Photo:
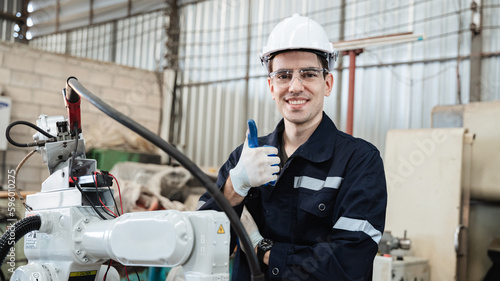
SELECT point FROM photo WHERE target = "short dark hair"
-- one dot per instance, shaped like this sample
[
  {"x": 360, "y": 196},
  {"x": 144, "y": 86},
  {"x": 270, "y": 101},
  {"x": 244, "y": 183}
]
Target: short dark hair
[{"x": 322, "y": 61}]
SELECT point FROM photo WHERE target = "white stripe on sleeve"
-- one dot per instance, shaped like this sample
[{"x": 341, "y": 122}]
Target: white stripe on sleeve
[{"x": 358, "y": 225}]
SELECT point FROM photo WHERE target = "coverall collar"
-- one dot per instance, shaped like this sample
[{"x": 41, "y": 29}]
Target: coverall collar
[{"x": 318, "y": 148}]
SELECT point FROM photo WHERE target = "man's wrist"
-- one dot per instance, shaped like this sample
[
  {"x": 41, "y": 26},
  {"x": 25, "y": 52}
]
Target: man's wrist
[
  {"x": 230, "y": 194},
  {"x": 266, "y": 257},
  {"x": 238, "y": 178},
  {"x": 255, "y": 238}
]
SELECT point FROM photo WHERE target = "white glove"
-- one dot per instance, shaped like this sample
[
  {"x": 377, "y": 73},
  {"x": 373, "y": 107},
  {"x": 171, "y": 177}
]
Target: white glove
[
  {"x": 257, "y": 166},
  {"x": 251, "y": 228}
]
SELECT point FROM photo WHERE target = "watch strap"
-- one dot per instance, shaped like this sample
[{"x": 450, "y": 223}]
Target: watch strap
[{"x": 263, "y": 246}]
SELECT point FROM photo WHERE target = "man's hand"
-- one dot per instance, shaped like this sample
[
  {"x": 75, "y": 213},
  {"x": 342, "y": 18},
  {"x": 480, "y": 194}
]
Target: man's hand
[{"x": 257, "y": 165}]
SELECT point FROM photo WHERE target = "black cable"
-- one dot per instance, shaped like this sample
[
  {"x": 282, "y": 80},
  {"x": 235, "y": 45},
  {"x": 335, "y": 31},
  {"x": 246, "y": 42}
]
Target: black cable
[
  {"x": 106, "y": 274},
  {"x": 137, "y": 274},
  {"x": 13, "y": 142},
  {"x": 103, "y": 208},
  {"x": 104, "y": 176},
  {"x": 114, "y": 201},
  {"x": 112, "y": 194},
  {"x": 100, "y": 199},
  {"x": 256, "y": 273},
  {"x": 77, "y": 185},
  {"x": 16, "y": 232}
]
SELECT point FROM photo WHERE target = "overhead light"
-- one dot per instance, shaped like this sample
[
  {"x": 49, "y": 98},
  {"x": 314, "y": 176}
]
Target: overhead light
[
  {"x": 29, "y": 22},
  {"x": 16, "y": 27},
  {"x": 15, "y": 34},
  {"x": 378, "y": 41},
  {"x": 28, "y": 35},
  {"x": 30, "y": 8}
]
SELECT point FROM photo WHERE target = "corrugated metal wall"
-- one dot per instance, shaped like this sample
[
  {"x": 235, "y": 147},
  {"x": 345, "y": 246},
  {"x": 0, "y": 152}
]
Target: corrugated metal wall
[
  {"x": 490, "y": 80},
  {"x": 52, "y": 16},
  {"x": 124, "y": 32},
  {"x": 136, "y": 41},
  {"x": 222, "y": 83}
]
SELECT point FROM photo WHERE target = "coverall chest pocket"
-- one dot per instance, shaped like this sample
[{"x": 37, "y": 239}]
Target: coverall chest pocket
[
  {"x": 314, "y": 215},
  {"x": 317, "y": 203}
]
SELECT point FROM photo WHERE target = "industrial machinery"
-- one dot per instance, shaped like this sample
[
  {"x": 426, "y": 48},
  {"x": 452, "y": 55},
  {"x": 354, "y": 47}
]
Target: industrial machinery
[
  {"x": 394, "y": 263},
  {"x": 388, "y": 243},
  {"x": 443, "y": 184},
  {"x": 407, "y": 268},
  {"x": 74, "y": 224}
]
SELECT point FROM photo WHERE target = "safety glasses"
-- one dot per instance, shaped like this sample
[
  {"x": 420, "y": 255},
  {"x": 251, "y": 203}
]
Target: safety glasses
[{"x": 309, "y": 75}]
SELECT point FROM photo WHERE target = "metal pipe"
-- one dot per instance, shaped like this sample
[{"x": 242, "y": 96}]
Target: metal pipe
[
  {"x": 12, "y": 17},
  {"x": 350, "y": 99},
  {"x": 247, "y": 68},
  {"x": 340, "y": 64}
]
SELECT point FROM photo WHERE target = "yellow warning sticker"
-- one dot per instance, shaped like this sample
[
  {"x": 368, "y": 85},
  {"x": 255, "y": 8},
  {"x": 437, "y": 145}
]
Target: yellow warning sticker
[
  {"x": 221, "y": 230},
  {"x": 82, "y": 273}
]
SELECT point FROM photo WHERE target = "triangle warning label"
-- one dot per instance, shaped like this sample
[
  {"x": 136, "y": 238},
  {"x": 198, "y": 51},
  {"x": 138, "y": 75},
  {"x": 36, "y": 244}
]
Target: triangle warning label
[{"x": 221, "y": 230}]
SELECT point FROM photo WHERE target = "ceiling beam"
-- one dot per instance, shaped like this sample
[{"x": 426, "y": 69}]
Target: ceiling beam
[{"x": 12, "y": 17}]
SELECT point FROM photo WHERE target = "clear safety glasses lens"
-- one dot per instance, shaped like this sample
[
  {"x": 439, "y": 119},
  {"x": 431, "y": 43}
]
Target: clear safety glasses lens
[{"x": 306, "y": 75}]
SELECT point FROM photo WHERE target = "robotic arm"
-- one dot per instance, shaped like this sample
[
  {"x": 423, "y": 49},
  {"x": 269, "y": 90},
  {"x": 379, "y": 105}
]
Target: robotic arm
[
  {"x": 72, "y": 242},
  {"x": 75, "y": 237}
]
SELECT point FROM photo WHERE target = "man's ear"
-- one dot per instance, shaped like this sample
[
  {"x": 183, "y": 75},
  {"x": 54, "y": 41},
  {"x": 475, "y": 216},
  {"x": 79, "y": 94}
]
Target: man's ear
[
  {"x": 271, "y": 86},
  {"x": 329, "y": 84}
]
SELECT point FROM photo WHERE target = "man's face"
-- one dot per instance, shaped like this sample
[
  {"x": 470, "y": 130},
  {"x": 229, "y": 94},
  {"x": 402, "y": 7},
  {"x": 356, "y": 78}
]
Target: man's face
[{"x": 300, "y": 102}]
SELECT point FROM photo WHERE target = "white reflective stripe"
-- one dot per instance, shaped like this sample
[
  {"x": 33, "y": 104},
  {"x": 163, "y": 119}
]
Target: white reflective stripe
[
  {"x": 315, "y": 184},
  {"x": 358, "y": 225}
]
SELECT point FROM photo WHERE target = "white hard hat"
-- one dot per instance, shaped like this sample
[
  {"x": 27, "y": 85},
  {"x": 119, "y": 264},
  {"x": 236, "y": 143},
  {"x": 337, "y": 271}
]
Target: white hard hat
[{"x": 299, "y": 33}]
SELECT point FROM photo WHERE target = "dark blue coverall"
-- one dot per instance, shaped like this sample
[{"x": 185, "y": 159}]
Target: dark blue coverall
[{"x": 326, "y": 213}]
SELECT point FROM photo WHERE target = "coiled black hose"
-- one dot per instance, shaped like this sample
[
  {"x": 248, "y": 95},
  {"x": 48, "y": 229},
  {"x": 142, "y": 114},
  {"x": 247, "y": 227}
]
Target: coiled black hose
[{"x": 16, "y": 232}]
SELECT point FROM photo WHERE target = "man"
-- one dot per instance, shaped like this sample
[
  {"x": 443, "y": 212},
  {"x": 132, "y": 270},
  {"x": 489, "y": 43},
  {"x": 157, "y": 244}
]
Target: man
[{"x": 320, "y": 214}]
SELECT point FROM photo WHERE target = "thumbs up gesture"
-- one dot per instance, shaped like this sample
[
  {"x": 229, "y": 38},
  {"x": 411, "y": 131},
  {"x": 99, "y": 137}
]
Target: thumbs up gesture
[{"x": 257, "y": 165}]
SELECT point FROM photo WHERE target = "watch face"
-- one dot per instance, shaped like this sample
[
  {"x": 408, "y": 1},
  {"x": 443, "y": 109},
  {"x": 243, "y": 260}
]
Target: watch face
[{"x": 266, "y": 244}]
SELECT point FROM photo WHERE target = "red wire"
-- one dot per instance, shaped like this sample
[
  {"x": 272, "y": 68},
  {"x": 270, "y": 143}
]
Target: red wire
[
  {"x": 119, "y": 192},
  {"x": 95, "y": 181},
  {"x": 126, "y": 273}
]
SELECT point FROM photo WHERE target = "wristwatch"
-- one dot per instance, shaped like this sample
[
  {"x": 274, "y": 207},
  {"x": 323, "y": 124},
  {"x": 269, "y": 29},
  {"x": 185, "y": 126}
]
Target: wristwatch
[{"x": 264, "y": 246}]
